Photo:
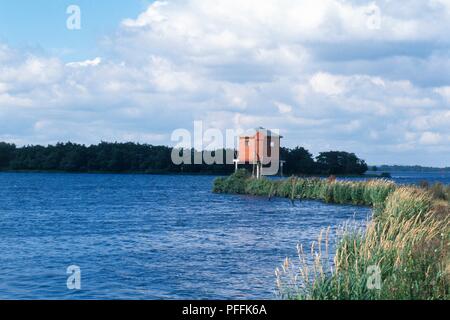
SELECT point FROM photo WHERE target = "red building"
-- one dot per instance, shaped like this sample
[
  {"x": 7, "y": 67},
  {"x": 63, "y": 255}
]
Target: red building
[{"x": 260, "y": 149}]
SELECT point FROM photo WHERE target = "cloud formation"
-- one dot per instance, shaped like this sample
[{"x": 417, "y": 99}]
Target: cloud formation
[{"x": 368, "y": 77}]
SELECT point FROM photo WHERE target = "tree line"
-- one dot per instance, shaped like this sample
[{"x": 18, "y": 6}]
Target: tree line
[
  {"x": 144, "y": 158},
  {"x": 397, "y": 168}
]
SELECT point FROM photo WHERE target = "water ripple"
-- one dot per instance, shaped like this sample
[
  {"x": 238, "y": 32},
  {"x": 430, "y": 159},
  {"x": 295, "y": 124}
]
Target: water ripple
[{"x": 147, "y": 237}]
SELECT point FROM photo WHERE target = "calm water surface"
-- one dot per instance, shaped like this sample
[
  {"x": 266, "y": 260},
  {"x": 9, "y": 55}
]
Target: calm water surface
[{"x": 148, "y": 237}]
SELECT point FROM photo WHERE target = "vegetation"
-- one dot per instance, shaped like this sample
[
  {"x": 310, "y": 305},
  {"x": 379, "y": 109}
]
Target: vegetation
[
  {"x": 300, "y": 161},
  {"x": 406, "y": 244},
  {"x": 142, "y": 158},
  {"x": 438, "y": 190},
  {"x": 335, "y": 162},
  {"x": 368, "y": 193}
]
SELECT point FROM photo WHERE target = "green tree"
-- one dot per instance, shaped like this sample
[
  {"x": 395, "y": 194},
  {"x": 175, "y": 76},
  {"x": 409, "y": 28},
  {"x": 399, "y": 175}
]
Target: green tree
[
  {"x": 298, "y": 161},
  {"x": 339, "y": 162},
  {"x": 7, "y": 151}
]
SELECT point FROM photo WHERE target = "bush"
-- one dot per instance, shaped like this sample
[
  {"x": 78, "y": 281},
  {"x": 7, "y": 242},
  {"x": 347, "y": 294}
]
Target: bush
[
  {"x": 235, "y": 183},
  {"x": 220, "y": 185}
]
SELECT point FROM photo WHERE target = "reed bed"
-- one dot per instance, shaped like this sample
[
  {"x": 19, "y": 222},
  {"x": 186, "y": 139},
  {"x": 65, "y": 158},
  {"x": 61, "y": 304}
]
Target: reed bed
[
  {"x": 367, "y": 193},
  {"x": 438, "y": 190},
  {"x": 402, "y": 253}
]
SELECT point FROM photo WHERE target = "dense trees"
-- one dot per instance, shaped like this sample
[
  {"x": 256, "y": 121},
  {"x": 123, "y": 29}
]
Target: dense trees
[
  {"x": 6, "y": 154},
  {"x": 298, "y": 161},
  {"x": 143, "y": 158},
  {"x": 335, "y": 162}
]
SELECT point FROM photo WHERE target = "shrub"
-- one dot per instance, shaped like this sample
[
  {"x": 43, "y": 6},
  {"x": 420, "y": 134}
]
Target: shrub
[
  {"x": 233, "y": 184},
  {"x": 219, "y": 185}
]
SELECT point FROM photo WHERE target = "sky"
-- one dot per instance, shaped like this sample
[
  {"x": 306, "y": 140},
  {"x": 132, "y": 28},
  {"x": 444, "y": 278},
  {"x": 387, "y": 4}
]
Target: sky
[{"x": 370, "y": 77}]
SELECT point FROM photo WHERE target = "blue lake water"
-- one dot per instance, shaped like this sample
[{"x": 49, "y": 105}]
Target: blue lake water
[
  {"x": 416, "y": 177},
  {"x": 148, "y": 237}
]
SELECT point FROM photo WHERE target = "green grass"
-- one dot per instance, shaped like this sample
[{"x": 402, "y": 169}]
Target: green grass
[
  {"x": 407, "y": 241},
  {"x": 368, "y": 193}
]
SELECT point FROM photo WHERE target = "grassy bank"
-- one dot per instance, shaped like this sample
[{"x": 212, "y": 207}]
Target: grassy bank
[
  {"x": 402, "y": 254},
  {"x": 367, "y": 193}
]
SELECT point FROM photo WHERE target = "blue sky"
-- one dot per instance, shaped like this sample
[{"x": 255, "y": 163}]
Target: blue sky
[
  {"x": 371, "y": 77},
  {"x": 41, "y": 24}
]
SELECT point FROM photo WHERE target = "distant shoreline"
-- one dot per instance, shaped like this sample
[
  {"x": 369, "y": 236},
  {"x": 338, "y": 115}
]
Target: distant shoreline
[
  {"x": 165, "y": 173},
  {"x": 400, "y": 168},
  {"x": 370, "y": 174},
  {"x": 133, "y": 157}
]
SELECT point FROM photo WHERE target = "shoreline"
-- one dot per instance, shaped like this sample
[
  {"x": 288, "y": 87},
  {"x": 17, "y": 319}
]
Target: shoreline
[
  {"x": 407, "y": 234},
  {"x": 165, "y": 173}
]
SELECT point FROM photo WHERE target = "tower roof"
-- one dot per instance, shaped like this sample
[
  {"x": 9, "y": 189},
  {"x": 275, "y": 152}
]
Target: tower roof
[{"x": 262, "y": 130}]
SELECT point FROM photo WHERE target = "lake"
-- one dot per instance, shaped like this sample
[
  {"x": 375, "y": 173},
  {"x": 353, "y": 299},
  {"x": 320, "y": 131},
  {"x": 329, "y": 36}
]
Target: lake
[
  {"x": 150, "y": 237},
  {"x": 405, "y": 177}
]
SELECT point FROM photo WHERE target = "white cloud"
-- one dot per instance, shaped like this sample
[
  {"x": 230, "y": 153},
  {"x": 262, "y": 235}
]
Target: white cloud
[
  {"x": 327, "y": 84},
  {"x": 150, "y": 16},
  {"x": 85, "y": 63},
  {"x": 7, "y": 100},
  {"x": 444, "y": 92},
  {"x": 165, "y": 76},
  {"x": 30, "y": 72},
  {"x": 311, "y": 68},
  {"x": 283, "y": 108},
  {"x": 430, "y": 138}
]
